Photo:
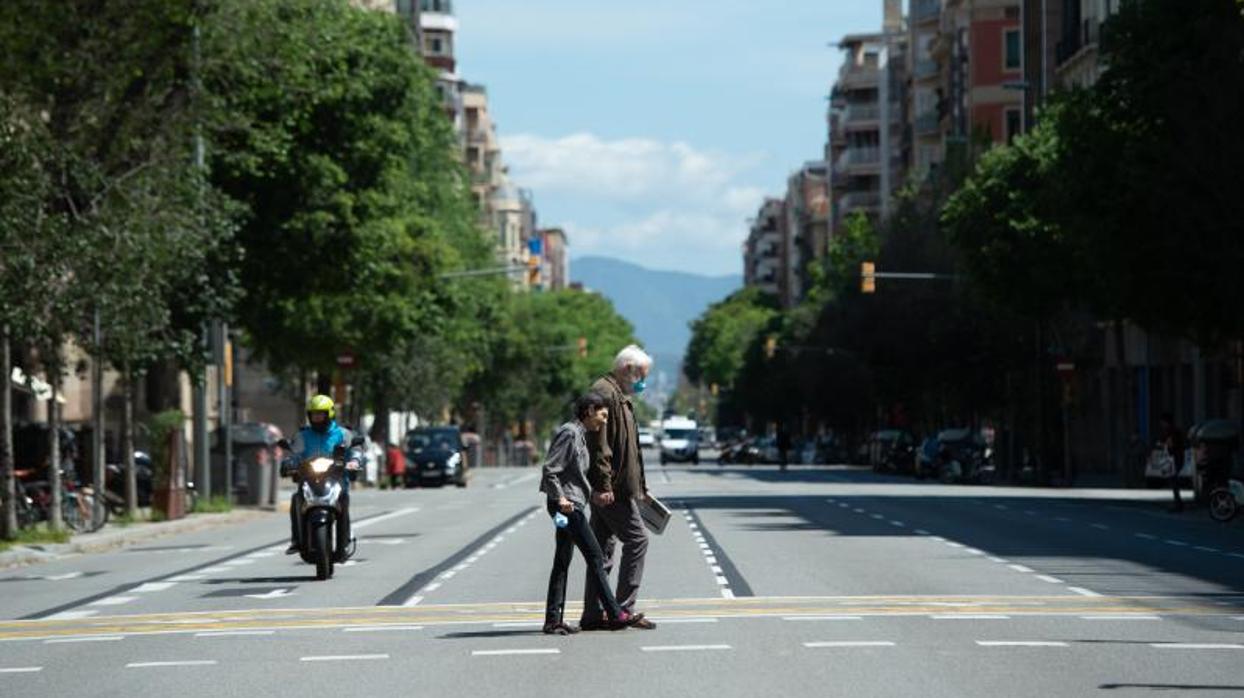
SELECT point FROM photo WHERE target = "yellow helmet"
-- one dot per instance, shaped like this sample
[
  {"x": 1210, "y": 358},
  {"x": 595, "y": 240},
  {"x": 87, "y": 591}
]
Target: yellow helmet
[{"x": 322, "y": 403}]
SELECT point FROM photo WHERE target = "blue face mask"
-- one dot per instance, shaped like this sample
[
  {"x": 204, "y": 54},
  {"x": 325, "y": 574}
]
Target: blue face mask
[{"x": 639, "y": 386}]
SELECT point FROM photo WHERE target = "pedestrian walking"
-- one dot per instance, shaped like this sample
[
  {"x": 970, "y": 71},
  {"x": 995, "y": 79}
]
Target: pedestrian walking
[
  {"x": 618, "y": 484},
  {"x": 564, "y": 483},
  {"x": 783, "y": 446},
  {"x": 395, "y": 463},
  {"x": 1176, "y": 444}
]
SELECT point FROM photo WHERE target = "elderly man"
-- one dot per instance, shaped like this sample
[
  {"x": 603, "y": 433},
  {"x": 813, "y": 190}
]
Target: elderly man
[{"x": 617, "y": 478}]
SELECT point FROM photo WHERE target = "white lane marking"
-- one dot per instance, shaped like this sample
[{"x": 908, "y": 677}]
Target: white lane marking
[
  {"x": 1120, "y": 617},
  {"x": 1020, "y": 568},
  {"x": 412, "y": 601},
  {"x": 215, "y": 569},
  {"x": 688, "y": 620},
  {"x": 1239, "y": 555},
  {"x": 84, "y": 638},
  {"x": 342, "y": 657},
  {"x": 858, "y": 510},
  {"x": 149, "y": 587},
  {"x": 1020, "y": 643},
  {"x": 973, "y": 551},
  {"x": 1001, "y": 507},
  {"x": 1083, "y": 592},
  {"x": 1101, "y": 527},
  {"x": 722, "y": 581},
  {"x": 233, "y": 633},
  {"x": 1063, "y": 519},
  {"x": 1174, "y": 542},
  {"x": 274, "y": 594},
  {"x": 448, "y": 574},
  {"x": 113, "y": 601},
  {"x": 461, "y": 566},
  {"x": 186, "y": 662},
  {"x": 1196, "y": 646},
  {"x": 716, "y": 569},
  {"x": 877, "y": 516},
  {"x": 508, "y": 653},
  {"x": 239, "y": 563},
  {"x": 710, "y": 559},
  {"x": 20, "y": 669},
  {"x": 921, "y": 532},
  {"x": 844, "y": 505},
  {"x": 432, "y": 587},
  {"x": 1030, "y": 512},
  {"x": 187, "y": 578},
  {"x": 72, "y": 615},
  {"x": 385, "y": 517},
  {"x": 62, "y": 577},
  {"x": 809, "y": 619},
  {"x": 1048, "y": 578},
  {"x": 998, "y": 560},
  {"x": 848, "y": 643},
  {"x": 684, "y": 648},
  {"x": 1146, "y": 536},
  {"x": 953, "y": 544},
  {"x": 262, "y": 554},
  {"x": 382, "y": 628},
  {"x": 970, "y": 616},
  {"x": 898, "y": 524},
  {"x": 726, "y": 593},
  {"x": 1206, "y": 549}
]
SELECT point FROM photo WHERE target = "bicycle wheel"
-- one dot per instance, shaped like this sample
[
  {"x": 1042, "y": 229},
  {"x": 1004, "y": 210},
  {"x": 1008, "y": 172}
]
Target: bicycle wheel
[{"x": 94, "y": 512}]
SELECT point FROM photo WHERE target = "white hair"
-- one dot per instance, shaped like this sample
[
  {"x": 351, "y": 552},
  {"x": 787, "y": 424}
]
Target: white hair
[{"x": 631, "y": 356}]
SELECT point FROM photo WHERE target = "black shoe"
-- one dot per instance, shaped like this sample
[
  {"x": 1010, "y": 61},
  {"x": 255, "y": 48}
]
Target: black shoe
[
  {"x": 293, "y": 548},
  {"x": 637, "y": 620},
  {"x": 559, "y": 629},
  {"x": 597, "y": 624}
]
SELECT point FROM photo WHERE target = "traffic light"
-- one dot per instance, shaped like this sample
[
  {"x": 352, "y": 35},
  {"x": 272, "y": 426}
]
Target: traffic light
[
  {"x": 770, "y": 347},
  {"x": 583, "y": 347},
  {"x": 868, "y": 277}
]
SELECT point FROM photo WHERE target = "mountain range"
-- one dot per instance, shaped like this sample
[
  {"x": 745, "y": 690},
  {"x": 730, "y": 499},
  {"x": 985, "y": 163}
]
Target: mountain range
[{"x": 660, "y": 304}]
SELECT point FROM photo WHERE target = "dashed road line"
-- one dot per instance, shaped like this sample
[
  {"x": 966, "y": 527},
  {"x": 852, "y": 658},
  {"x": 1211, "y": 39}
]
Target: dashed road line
[
  {"x": 519, "y": 653},
  {"x": 113, "y": 601},
  {"x": 1021, "y": 568},
  {"x": 832, "y": 644},
  {"x": 233, "y": 633},
  {"x": 730, "y": 583},
  {"x": 1048, "y": 578},
  {"x": 343, "y": 658},
  {"x": 20, "y": 669},
  {"x": 685, "y": 648},
  {"x": 811, "y": 619},
  {"x": 1083, "y": 592},
  {"x": 83, "y": 638},
  {"x": 157, "y": 665},
  {"x": 382, "y": 628},
  {"x": 1020, "y": 643},
  {"x": 1120, "y": 617},
  {"x": 970, "y": 616},
  {"x": 1196, "y": 646}
]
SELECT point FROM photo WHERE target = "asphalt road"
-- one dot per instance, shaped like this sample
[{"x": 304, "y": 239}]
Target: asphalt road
[{"x": 810, "y": 582}]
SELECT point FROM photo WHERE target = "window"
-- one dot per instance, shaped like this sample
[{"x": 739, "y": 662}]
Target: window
[
  {"x": 1014, "y": 124},
  {"x": 1012, "y": 49}
]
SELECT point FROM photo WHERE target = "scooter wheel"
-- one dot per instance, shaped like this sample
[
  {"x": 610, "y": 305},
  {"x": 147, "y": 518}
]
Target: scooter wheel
[
  {"x": 322, "y": 552},
  {"x": 1222, "y": 505}
]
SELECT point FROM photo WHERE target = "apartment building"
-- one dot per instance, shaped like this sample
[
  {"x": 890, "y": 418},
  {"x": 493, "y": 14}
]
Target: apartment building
[
  {"x": 926, "y": 93},
  {"x": 1076, "y": 58},
  {"x": 555, "y": 268},
  {"x": 764, "y": 251},
  {"x": 482, "y": 149},
  {"x": 867, "y": 122},
  {"x": 806, "y": 208}
]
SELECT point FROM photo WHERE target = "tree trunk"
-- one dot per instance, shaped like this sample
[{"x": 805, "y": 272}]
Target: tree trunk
[
  {"x": 56, "y": 518},
  {"x": 99, "y": 469},
  {"x": 8, "y": 488},
  {"x": 127, "y": 442},
  {"x": 1125, "y": 412}
]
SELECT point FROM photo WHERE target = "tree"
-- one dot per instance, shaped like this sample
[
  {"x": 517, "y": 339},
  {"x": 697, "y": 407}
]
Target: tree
[{"x": 721, "y": 336}]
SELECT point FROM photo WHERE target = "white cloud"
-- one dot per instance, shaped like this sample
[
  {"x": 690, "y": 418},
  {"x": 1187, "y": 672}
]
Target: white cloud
[{"x": 661, "y": 204}]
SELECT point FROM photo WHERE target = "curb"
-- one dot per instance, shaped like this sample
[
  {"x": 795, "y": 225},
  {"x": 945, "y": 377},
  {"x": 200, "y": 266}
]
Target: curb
[{"x": 104, "y": 540}]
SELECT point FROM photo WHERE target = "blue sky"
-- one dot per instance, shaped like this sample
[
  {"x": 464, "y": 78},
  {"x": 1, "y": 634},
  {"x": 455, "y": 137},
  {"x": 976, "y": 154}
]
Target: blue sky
[{"x": 652, "y": 131}]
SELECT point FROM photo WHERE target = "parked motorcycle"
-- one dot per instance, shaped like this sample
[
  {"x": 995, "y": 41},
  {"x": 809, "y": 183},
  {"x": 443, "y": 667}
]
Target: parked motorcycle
[
  {"x": 144, "y": 476},
  {"x": 77, "y": 502},
  {"x": 321, "y": 480}
]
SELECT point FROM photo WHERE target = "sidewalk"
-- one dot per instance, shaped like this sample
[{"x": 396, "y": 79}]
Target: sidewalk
[{"x": 114, "y": 536}]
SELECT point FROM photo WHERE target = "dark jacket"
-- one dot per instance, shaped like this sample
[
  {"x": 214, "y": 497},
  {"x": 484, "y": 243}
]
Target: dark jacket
[{"x": 617, "y": 464}]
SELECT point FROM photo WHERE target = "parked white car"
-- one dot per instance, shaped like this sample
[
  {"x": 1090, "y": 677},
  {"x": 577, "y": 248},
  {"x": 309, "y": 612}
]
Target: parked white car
[{"x": 647, "y": 439}]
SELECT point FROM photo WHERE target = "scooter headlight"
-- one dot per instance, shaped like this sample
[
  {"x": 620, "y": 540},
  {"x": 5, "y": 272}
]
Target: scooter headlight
[
  {"x": 454, "y": 460},
  {"x": 319, "y": 466}
]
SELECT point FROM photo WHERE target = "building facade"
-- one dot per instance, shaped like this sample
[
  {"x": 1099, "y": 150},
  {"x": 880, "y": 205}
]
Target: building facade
[
  {"x": 764, "y": 250},
  {"x": 806, "y": 208},
  {"x": 555, "y": 272}
]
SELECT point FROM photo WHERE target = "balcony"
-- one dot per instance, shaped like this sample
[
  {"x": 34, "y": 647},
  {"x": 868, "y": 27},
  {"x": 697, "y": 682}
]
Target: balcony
[
  {"x": 925, "y": 69},
  {"x": 858, "y": 157},
  {"x": 855, "y": 77},
  {"x": 925, "y": 10},
  {"x": 860, "y": 200},
  {"x": 859, "y": 113},
  {"x": 927, "y": 124},
  {"x": 1087, "y": 35}
]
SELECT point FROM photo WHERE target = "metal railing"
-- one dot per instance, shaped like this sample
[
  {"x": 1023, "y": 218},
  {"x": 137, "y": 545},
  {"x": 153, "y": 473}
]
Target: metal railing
[
  {"x": 863, "y": 112},
  {"x": 860, "y": 199}
]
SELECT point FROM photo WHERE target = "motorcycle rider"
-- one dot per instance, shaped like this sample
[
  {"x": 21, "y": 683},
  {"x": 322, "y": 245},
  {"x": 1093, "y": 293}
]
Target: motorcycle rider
[{"x": 320, "y": 438}]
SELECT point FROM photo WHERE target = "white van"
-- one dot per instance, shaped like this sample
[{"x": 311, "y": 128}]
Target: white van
[{"x": 680, "y": 441}]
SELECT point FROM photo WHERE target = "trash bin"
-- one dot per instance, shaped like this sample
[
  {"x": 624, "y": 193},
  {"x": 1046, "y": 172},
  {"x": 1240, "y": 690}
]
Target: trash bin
[{"x": 254, "y": 463}]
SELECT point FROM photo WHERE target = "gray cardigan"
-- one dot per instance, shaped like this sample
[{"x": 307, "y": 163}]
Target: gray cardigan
[{"x": 565, "y": 469}]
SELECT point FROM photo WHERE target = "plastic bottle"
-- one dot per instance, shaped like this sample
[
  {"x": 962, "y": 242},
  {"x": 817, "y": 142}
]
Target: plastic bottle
[{"x": 560, "y": 520}]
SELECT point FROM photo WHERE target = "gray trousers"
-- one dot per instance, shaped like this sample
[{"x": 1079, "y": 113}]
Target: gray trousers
[{"x": 619, "y": 521}]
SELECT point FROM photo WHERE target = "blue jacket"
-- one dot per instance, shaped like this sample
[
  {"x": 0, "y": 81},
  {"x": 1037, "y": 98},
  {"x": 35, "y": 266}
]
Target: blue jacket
[{"x": 310, "y": 443}]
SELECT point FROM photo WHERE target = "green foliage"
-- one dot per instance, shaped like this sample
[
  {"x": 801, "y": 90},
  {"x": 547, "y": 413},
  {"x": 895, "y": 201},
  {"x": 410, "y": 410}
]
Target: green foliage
[
  {"x": 38, "y": 534},
  {"x": 331, "y": 133},
  {"x": 160, "y": 427},
  {"x": 855, "y": 243},
  {"x": 722, "y": 335},
  {"x": 534, "y": 369},
  {"x": 217, "y": 504}
]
